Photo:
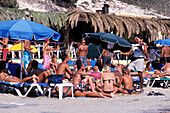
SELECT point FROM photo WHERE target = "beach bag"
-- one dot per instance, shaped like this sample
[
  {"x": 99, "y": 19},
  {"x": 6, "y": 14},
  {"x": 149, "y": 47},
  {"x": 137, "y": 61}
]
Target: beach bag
[{"x": 55, "y": 78}]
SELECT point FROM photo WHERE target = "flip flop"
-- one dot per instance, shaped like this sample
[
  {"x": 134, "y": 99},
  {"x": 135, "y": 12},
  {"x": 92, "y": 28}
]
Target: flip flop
[{"x": 150, "y": 93}]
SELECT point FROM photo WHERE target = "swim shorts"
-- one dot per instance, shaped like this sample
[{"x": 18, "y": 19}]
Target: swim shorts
[{"x": 83, "y": 60}]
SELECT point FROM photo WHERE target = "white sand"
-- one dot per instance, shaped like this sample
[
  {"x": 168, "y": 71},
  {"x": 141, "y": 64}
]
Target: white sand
[{"x": 140, "y": 103}]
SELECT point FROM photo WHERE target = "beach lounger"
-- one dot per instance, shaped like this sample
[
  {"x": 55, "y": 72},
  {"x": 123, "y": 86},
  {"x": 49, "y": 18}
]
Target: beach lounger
[
  {"x": 20, "y": 87},
  {"x": 145, "y": 80},
  {"x": 162, "y": 80}
]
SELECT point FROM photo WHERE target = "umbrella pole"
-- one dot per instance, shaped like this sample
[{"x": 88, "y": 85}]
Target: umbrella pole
[
  {"x": 98, "y": 50},
  {"x": 21, "y": 59}
]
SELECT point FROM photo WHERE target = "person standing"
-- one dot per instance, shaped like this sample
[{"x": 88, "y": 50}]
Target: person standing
[
  {"x": 82, "y": 52},
  {"x": 46, "y": 57},
  {"x": 106, "y": 57},
  {"x": 27, "y": 54},
  {"x": 5, "y": 48},
  {"x": 165, "y": 55},
  {"x": 137, "y": 62}
]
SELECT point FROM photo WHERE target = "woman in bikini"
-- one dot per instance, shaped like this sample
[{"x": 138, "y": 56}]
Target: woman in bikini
[
  {"x": 46, "y": 51},
  {"x": 6, "y": 78},
  {"x": 108, "y": 81}
]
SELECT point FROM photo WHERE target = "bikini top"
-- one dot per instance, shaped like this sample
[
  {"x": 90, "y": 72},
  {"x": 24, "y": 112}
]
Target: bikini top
[{"x": 109, "y": 80}]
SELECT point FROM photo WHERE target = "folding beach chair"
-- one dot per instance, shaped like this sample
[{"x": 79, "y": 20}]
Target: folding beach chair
[
  {"x": 161, "y": 80},
  {"x": 20, "y": 87}
]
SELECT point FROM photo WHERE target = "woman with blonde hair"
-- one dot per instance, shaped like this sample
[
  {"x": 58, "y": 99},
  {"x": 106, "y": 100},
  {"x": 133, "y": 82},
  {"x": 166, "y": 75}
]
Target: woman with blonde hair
[{"x": 108, "y": 80}]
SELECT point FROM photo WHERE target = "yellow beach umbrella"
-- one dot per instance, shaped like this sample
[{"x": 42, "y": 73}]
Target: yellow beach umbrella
[{"x": 17, "y": 47}]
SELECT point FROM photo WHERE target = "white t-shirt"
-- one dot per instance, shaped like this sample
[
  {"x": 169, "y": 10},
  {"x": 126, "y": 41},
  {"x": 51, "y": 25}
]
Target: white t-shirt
[{"x": 137, "y": 51}]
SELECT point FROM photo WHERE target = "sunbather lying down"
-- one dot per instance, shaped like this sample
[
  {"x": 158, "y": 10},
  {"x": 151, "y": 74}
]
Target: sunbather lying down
[
  {"x": 157, "y": 74},
  {"x": 6, "y": 78}
]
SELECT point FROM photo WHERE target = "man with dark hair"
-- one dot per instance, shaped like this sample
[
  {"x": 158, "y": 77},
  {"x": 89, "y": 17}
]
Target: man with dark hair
[
  {"x": 128, "y": 82},
  {"x": 137, "y": 63},
  {"x": 82, "y": 52},
  {"x": 34, "y": 64},
  {"x": 63, "y": 68},
  {"x": 33, "y": 69}
]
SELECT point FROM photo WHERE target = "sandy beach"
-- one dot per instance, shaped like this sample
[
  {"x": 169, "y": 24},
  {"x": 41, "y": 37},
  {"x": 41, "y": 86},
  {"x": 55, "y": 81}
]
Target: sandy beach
[{"x": 140, "y": 103}]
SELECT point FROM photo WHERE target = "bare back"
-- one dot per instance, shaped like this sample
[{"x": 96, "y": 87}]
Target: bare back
[
  {"x": 128, "y": 82},
  {"x": 165, "y": 51},
  {"x": 63, "y": 69},
  {"x": 83, "y": 50},
  {"x": 106, "y": 53},
  {"x": 107, "y": 81}
]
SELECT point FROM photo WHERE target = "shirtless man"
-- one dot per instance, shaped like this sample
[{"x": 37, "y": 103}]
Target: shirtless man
[
  {"x": 6, "y": 78},
  {"x": 82, "y": 52},
  {"x": 63, "y": 68},
  {"x": 128, "y": 82},
  {"x": 33, "y": 69},
  {"x": 80, "y": 84},
  {"x": 5, "y": 47},
  {"x": 107, "y": 57},
  {"x": 27, "y": 54},
  {"x": 46, "y": 57},
  {"x": 165, "y": 52}
]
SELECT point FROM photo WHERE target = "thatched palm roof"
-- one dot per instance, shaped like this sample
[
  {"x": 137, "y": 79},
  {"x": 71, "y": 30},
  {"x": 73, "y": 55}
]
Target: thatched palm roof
[{"x": 122, "y": 25}]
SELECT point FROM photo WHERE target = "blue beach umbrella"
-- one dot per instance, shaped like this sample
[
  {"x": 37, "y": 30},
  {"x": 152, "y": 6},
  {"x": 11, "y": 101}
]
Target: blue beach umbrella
[
  {"x": 163, "y": 42},
  {"x": 25, "y": 30},
  {"x": 94, "y": 51},
  {"x": 108, "y": 41}
]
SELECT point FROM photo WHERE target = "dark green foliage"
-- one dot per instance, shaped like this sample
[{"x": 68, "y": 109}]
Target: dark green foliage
[
  {"x": 160, "y": 6},
  {"x": 53, "y": 20},
  {"x": 9, "y": 3}
]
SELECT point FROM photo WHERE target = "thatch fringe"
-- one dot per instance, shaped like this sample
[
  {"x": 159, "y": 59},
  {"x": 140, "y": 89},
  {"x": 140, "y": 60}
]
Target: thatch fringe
[{"x": 123, "y": 24}]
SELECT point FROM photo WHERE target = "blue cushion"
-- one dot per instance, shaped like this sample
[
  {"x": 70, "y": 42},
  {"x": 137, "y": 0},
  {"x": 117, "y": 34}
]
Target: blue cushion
[
  {"x": 13, "y": 67},
  {"x": 41, "y": 66}
]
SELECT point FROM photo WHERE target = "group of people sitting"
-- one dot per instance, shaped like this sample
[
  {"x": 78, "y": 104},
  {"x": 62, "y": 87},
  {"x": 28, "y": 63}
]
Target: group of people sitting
[
  {"x": 83, "y": 83},
  {"x": 108, "y": 84}
]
